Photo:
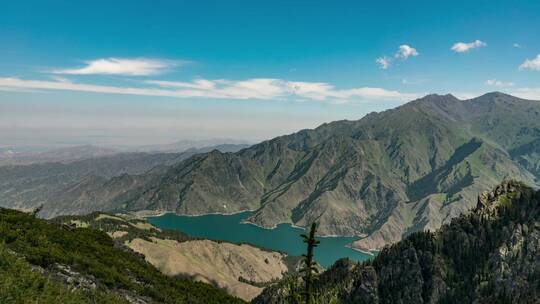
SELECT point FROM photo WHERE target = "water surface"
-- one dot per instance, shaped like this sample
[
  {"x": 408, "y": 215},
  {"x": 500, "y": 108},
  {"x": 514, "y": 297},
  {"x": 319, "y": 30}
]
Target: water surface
[{"x": 284, "y": 237}]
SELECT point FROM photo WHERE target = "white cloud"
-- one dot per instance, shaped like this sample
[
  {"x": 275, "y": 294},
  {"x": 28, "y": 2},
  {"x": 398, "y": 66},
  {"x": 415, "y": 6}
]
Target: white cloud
[
  {"x": 527, "y": 93},
  {"x": 384, "y": 62},
  {"x": 498, "y": 83},
  {"x": 196, "y": 84},
  {"x": 60, "y": 79},
  {"x": 531, "y": 64},
  {"x": 123, "y": 66},
  {"x": 324, "y": 91},
  {"x": 406, "y": 51},
  {"x": 517, "y": 45},
  {"x": 256, "y": 88},
  {"x": 462, "y": 47}
]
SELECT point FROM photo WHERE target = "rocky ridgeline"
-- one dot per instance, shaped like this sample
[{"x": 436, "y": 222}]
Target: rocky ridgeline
[{"x": 488, "y": 199}]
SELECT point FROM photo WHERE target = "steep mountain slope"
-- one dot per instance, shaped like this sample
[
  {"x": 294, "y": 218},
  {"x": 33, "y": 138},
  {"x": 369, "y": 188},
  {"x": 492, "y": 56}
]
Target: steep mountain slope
[
  {"x": 20, "y": 283},
  {"x": 381, "y": 177},
  {"x": 59, "y": 258},
  {"x": 491, "y": 255},
  {"x": 240, "y": 269}
]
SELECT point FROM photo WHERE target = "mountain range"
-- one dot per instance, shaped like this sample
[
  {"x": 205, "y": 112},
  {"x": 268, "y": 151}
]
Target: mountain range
[
  {"x": 60, "y": 184},
  {"x": 381, "y": 177}
]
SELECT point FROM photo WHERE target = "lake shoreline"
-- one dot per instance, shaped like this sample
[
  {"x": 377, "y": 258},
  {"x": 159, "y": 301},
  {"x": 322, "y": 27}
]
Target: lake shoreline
[
  {"x": 155, "y": 213},
  {"x": 284, "y": 237}
]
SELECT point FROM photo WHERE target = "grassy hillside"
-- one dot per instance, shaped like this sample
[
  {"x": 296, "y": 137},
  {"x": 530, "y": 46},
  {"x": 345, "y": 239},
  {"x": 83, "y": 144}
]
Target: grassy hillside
[
  {"x": 21, "y": 283},
  {"x": 88, "y": 261},
  {"x": 240, "y": 269}
]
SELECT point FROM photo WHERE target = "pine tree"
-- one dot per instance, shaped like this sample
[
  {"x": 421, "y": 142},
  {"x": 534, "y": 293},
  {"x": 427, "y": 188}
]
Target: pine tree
[{"x": 310, "y": 266}]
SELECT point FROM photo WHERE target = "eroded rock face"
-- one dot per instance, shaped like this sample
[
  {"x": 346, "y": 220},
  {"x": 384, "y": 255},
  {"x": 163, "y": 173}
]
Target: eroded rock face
[{"x": 487, "y": 199}]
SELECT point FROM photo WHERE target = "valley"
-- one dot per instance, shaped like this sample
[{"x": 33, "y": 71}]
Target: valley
[
  {"x": 269, "y": 152},
  {"x": 378, "y": 178},
  {"x": 232, "y": 219}
]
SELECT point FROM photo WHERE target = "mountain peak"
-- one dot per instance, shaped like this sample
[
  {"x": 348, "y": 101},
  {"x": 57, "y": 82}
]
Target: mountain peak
[
  {"x": 434, "y": 96},
  {"x": 488, "y": 200},
  {"x": 435, "y": 99},
  {"x": 495, "y": 94},
  {"x": 494, "y": 97}
]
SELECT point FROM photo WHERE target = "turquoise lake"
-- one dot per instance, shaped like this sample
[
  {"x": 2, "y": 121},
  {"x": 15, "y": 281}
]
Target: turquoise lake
[{"x": 283, "y": 238}]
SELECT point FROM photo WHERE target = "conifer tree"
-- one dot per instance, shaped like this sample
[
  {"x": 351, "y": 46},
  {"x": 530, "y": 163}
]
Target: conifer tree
[{"x": 310, "y": 266}]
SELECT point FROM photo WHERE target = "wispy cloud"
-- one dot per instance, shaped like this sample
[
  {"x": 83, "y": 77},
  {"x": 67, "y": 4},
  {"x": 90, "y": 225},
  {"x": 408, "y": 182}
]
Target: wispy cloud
[
  {"x": 195, "y": 84},
  {"x": 531, "y": 64},
  {"x": 384, "y": 62},
  {"x": 498, "y": 83},
  {"x": 324, "y": 91},
  {"x": 527, "y": 93},
  {"x": 270, "y": 88},
  {"x": 123, "y": 66},
  {"x": 517, "y": 45},
  {"x": 463, "y": 47},
  {"x": 255, "y": 88},
  {"x": 406, "y": 51}
]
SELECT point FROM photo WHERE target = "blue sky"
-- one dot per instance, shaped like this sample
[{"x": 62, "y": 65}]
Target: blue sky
[{"x": 140, "y": 72}]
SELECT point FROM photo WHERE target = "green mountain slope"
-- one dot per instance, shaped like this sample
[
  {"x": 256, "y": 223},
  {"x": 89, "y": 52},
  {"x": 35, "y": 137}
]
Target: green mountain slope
[
  {"x": 381, "y": 177},
  {"x": 54, "y": 258},
  {"x": 491, "y": 255},
  {"x": 20, "y": 283}
]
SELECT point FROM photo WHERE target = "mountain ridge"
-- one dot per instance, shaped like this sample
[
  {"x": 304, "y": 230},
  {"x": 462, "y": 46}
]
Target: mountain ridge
[{"x": 360, "y": 177}]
